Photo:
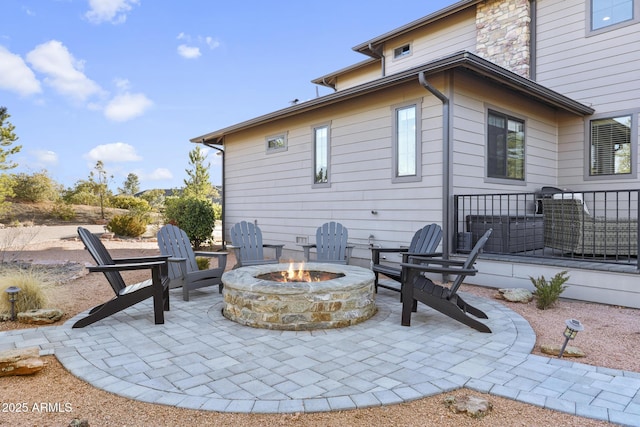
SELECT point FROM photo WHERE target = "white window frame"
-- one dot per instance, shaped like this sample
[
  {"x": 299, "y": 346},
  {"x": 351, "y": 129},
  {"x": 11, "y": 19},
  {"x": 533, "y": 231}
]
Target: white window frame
[
  {"x": 417, "y": 175},
  {"x": 635, "y": 18},
  {"x": 314, "y": 134},
  {"x": 633, "y": 140},
  {"x": 275, "y": 149}
]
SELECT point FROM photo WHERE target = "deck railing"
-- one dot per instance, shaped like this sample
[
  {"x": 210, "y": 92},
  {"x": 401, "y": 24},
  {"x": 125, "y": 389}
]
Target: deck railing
[{"x": 595, "y": 226}]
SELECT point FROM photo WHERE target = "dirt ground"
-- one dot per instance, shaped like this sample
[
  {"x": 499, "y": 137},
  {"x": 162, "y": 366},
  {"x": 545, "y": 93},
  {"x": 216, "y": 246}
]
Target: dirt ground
[{"x": 611, "y": 338}]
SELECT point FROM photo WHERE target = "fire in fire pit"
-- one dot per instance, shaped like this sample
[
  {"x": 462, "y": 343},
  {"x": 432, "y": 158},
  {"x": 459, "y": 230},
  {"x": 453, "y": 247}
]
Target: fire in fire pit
[{"x": 300, "y": 274}]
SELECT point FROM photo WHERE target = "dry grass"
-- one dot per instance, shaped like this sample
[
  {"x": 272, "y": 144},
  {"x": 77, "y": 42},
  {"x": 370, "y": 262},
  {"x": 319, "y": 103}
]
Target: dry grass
[{"x": 32, "y": 285}]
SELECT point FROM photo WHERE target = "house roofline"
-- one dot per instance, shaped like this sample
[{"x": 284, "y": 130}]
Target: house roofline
[
  {"x": 369, "y": 47},
  {"x": 328, "y": 80},
  {"x": 460, "y": 60}
]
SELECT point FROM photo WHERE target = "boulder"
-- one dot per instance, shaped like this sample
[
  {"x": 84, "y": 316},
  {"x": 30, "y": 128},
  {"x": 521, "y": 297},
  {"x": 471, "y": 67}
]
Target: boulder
[
  {"x": 22, "y": 361},
  {"x": 475, "y": 407},
  {"x": 554, "y": 350},
  {"x": 515, "y": 295},
  {"x": 43, "y": 316}
]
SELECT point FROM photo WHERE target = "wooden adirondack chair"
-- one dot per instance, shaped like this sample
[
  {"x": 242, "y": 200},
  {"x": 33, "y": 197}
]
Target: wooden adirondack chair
[
  {"x": 446, "y": 300},
  {"x": 425, "y": 242},
  {"x": 183, "y": 268},
  {"x": 331, "y": 244},
  {"x": 246, "y": 241},
  {"x": 125, "y": 296}
]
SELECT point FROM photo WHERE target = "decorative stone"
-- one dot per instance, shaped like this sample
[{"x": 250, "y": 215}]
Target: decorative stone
[
  {"x": 515, "y": 295},
  {"x": 475, "y": 407},
  {"x": 24, "y": 361},
  {"x": 554, "y": 350},
  {"x": 253, "y": 300},
  {"x": 43, "y": 316}
]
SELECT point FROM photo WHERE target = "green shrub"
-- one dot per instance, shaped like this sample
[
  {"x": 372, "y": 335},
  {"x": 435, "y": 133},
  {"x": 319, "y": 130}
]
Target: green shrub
[
  {"x": 130, "y": 225},
  {"x": 195, "y": 216},
  {"x": 81, "y": 198},
  {"x": 32, "y": 295},
  {"x": 203, "y": 262},
  {"x": 548, "y": 292},
  {"x": 63, "y": 211},
  {"x": 37, "y": 187},
  {"x": 131, "y": 203}
]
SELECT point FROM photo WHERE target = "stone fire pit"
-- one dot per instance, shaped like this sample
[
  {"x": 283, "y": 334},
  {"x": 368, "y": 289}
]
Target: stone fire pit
[{"x": 334, "y": 303}]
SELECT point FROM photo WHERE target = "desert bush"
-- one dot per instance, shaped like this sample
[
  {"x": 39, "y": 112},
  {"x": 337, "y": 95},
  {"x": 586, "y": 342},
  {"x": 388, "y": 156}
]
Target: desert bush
[
  {"x": 548, "y": 292},
  {"x": 37, "y": 187},
  {"x": 130, "y": 225},
  {"x": 80, "y": 198},
  {"x": 203, "y": 262},
  {"x": 32, "y": 284},
  {"x": 132, "y": 203},
  {"x": 195, "y": 216},
  {"x": 63, "y": 211}
]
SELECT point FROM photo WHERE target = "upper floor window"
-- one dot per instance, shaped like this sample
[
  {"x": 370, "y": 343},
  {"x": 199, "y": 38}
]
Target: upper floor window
[
  {"x": 321, "y": 151},
  {"x": 505, "y": 147},
  {"x": 402, "y": 51},
  {"x": 276, "y": 143},
  {"x": 407, "y": 151},
  {"x": 610, "y": 146},
  {"x": 605, "y": 13}
]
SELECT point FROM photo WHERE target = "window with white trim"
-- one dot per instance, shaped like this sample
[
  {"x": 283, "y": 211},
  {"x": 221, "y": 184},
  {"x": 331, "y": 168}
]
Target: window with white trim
[
  {"x": 610, "y": 146},
  {"x": 505, "y": 146},
  {"x": 321, "y": 152},
  {"x": 407, "y": 143},
  {"x": 402, "y": 51}
]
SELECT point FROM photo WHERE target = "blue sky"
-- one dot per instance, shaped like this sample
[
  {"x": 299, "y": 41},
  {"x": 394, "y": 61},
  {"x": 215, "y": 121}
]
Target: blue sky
[{"x": 129, "y": 82}]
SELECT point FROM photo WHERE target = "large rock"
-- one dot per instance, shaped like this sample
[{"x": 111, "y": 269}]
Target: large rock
[
  {"x": 475, "y": 407},
  {"x": 23, "y": 361},
  {"x": 43, "y": 316},
  {"x": 515, "y": 295},
  {"x": 554, "y": 350}
]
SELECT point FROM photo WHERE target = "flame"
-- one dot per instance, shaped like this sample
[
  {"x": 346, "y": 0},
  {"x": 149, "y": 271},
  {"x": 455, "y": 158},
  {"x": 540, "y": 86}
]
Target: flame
[{"x": 299, "y": 275}]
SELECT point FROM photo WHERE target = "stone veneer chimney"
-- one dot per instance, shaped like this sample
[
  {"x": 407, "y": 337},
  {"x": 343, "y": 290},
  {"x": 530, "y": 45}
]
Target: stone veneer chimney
[{"x": 503, "y": 34}]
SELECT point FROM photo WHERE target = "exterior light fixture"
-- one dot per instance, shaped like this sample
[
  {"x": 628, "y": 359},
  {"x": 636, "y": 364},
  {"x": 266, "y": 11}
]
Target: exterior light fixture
[
  {"x": 573, "y": 326},
  {"x": 12, "y": 291}
]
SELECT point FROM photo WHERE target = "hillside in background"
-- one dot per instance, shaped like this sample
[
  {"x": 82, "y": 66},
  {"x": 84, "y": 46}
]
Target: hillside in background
[{"x": 40, "y": 214}]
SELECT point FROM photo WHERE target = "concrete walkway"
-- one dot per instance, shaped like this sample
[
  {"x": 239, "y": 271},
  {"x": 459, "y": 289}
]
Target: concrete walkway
[{"x": 200, "y": 360}]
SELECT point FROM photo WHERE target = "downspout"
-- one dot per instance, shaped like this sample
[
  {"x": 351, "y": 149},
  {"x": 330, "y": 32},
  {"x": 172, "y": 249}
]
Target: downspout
[
  {"x": 447, "y": 219},
  {"x": 382, "y": 58},
  {"x": 533, "y": 39},
  {"x": 219, "y": 146}
]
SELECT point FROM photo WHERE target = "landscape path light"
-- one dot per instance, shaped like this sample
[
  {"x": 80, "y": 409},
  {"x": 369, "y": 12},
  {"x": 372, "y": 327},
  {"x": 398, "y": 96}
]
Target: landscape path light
[
  {"x": 12, "y": 291},
  {"x": 573, "y": 327}
]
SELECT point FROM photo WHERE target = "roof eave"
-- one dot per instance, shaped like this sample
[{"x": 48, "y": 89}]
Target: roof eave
[
  {"x": 464, "y": 60},
  {"x": 369, "y": 47}
]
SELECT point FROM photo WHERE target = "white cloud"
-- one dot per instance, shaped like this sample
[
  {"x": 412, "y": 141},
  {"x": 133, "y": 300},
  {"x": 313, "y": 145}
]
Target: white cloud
[
  {"x": 16, "y": 76},
  {"x": 189, "y": 52},
  {"x": 212, "y": 43},
  {"x": 122, "y": 84},
  {"x": 114, "y": 11},
  {"x": 46, "y": 157},
  {"x": 158, "y": 174},
  {"x": 64, "y": 73},
  {"x": 127, "y": 106},
  {"x": 115, "y": 152}
]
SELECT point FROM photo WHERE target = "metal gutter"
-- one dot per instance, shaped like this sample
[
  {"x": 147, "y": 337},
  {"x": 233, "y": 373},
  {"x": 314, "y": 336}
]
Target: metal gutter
[
  {"x": 367, "y": 48},
  {"x": 460, "y": 60}
]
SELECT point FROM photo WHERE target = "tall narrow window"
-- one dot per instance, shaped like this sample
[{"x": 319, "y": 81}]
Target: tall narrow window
[
  {"x": 406, "y": 140},
  {"x": 321, "y": 154},
  {"x": 605, "y": 13},
  {"x": 611, "y": 146},
  {"x": 505, "y": 147}
]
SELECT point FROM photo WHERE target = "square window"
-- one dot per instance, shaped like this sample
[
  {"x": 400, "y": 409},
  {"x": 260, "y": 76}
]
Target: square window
[
  {"x": 605, "y": 13},
  {"x": 610, "y": 146}
]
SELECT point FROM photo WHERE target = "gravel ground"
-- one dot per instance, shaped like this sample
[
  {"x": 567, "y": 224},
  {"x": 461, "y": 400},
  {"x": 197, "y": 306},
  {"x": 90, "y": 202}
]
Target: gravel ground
[{"x": 610, "y": 338}]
